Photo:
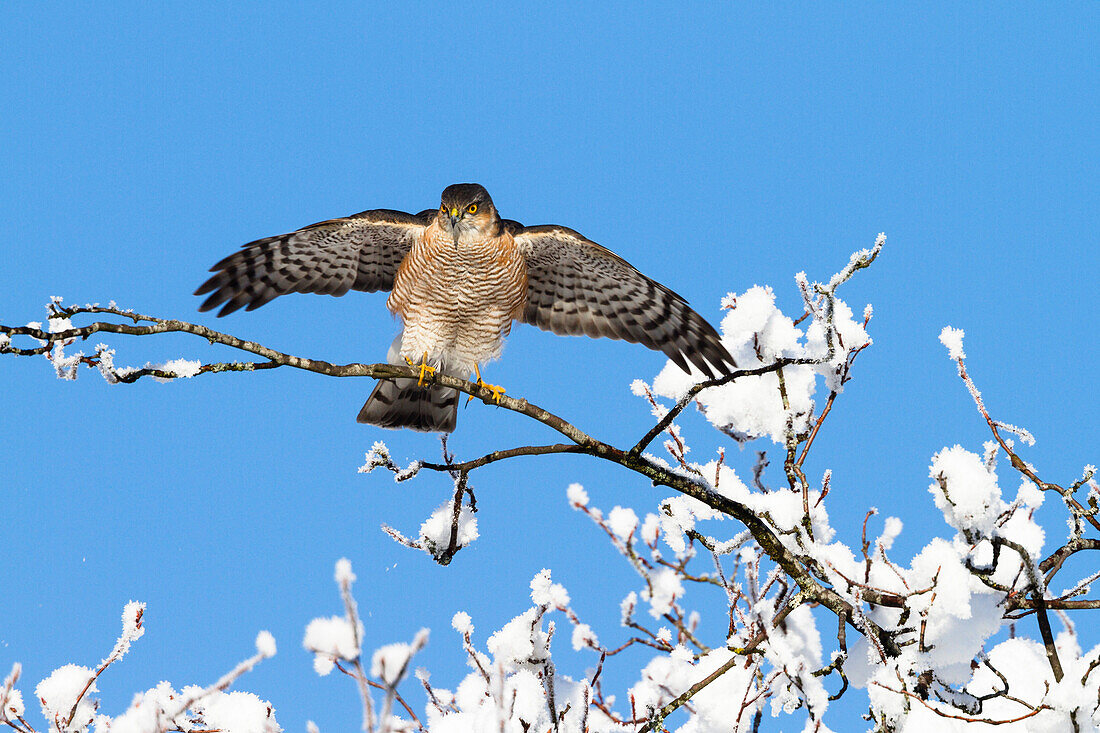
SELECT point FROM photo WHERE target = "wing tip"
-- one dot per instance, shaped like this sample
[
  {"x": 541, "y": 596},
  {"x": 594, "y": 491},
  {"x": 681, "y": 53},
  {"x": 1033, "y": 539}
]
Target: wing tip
[{"x": 214, "y": 300}]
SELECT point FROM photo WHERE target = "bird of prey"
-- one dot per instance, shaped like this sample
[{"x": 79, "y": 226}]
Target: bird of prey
[{"x": 458, "y": 276}]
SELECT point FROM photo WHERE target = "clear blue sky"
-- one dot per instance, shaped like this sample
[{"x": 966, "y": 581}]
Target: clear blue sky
[{"x": 713, "y": 148}]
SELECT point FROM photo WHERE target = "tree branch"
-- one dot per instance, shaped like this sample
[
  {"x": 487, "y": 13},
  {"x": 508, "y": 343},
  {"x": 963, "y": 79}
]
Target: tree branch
[{"x": 690, "y": 485}]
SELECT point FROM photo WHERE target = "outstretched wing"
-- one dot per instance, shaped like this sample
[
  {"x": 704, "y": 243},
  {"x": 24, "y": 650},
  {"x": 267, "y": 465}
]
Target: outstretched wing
[
  {"x": 359, "y": 252},
  {"x": 575, "y": 286}
]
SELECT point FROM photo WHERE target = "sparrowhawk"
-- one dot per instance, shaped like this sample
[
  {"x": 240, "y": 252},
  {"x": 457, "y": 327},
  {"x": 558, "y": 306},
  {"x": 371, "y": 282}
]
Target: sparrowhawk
[{"x": 459, "y": 275}]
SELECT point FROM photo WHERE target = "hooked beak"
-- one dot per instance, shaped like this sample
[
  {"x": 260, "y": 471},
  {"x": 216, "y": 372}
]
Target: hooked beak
[{"x": 455, "y": 216}]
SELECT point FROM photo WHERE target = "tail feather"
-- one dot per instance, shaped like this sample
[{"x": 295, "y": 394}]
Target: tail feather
[{"x": 400, "y": 403}]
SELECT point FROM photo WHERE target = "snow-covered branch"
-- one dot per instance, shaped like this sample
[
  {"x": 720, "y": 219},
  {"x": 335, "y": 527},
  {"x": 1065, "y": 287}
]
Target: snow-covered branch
[
  {"x": 939, "y": 636},
  {"x": 67, "y": 697}
]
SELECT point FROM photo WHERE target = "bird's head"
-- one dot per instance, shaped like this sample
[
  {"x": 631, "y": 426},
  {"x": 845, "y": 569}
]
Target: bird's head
[{"x": 466, "y": 211}]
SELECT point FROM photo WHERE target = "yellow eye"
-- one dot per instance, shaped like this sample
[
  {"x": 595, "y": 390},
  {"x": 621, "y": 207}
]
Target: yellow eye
[
  {"x": 443, "y": 208},
  {"x": 472, "y": 208}
]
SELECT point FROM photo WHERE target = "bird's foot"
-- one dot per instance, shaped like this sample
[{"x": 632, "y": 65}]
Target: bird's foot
[
  {"x": 497, "y": 390},
  {"x": 425, "y": 370}
]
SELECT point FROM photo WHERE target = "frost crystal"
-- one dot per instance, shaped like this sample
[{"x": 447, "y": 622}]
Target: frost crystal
[
  {"x": 964, "y": 490},
  {"x": 622, "y": 522},
  {"x": 583, "y": 636},
  {"x": 952, "y": 338},
  {"x": 235, "y": 712},
  {"x": 627, "y": 606},
  {"x": 460, "y": 622},
  {"x": 435, "y": 532},
  {"x": 105, "y": 358},
  {"x": 343, "y": 574},
  {"x": 265, "y": 644},
  {"x": 407, "y": 472},
  {"x": 132, "y": 630},
  {"x": 330, "y": 639},
  {"x": 577, "y": 495},
  {"x": 59, "y": 692},
  {"x": 666, "y": 588},
  {"x": 890, "y": 532},
  {"x": 651, "y": 529},
  {"x": 522, "y": 639},
  {"x": 65, "y": 366},
  {"x": 37, "y": 325},
  {"x": 377, "y": 456},
  {"x": 546, "y": 593},
  {"x": 388, "y": 663},
  {"x": 1022, "y": 433},
  {"x": 180, "y": 368},
  {"x": 147, "y": 711},
  {"x": 13, "y": 707}
]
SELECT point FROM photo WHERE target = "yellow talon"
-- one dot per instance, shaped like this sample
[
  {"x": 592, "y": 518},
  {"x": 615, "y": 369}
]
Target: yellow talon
[
  {"x": 424, "y": 368},
  {"x": 497, "y": 390}
]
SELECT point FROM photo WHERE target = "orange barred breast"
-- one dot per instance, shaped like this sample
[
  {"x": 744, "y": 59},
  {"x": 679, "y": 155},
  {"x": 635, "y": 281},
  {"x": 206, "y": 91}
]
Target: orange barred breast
[{"x": 458, "y": 300}]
